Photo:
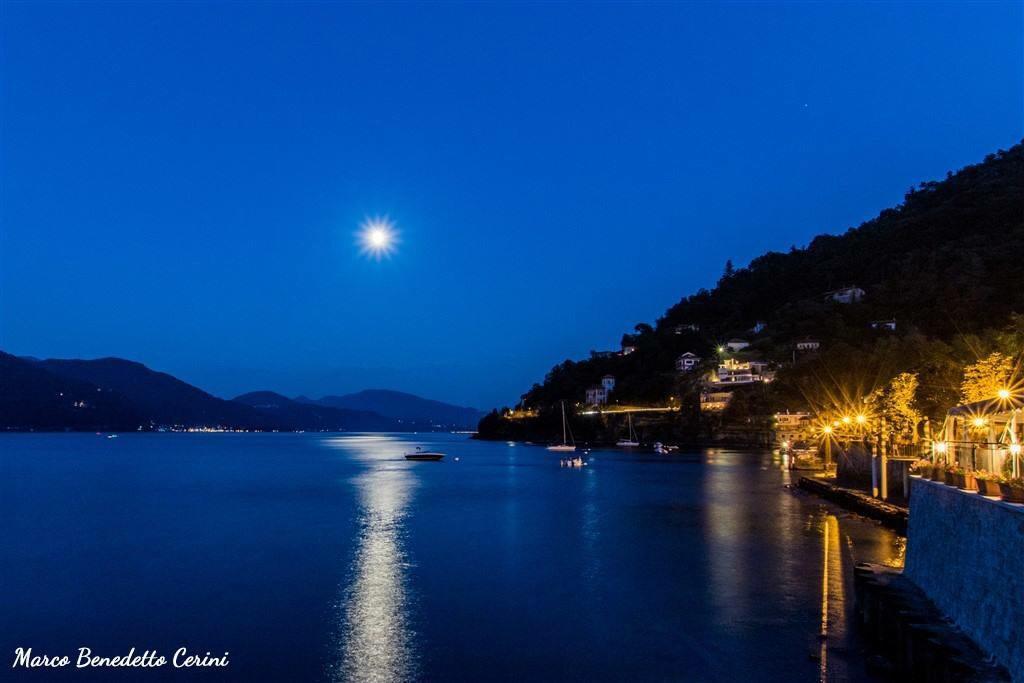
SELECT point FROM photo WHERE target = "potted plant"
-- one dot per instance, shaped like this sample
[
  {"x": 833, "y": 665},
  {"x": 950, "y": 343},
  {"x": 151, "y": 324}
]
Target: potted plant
[
  {"x": 1012, "y": 489},
  {"x": 948, "y": 475},
  {"x": 962, "y": 479},
  {"x": 988, "y": 483},
  {"x": 921, "y": 468}
]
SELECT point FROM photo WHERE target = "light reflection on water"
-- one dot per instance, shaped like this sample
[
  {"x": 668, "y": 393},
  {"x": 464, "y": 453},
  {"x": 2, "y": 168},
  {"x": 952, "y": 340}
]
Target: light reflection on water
[{"x": 376, "y": 638}]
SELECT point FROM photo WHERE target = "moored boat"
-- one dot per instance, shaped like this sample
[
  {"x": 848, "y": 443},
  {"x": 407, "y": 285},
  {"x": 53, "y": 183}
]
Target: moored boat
[
  {"x": 565, "y": 446},
  {"x": 630, "y": 441},
  {"x": 426, "y": 456}
]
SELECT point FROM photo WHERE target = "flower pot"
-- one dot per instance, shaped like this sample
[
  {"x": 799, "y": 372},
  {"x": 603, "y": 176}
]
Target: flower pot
[
  {"x": 967, "y": 482},
  {"x": 988, "y": 487},
  {"x": 1011, "y": 494},
  {"x": 947, "y": 478}
]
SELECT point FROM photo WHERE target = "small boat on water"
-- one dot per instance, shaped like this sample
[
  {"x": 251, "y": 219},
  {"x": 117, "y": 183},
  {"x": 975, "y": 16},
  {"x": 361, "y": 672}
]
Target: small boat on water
[
  {"x": 425, "y": 456},
  {"x": 565, "y": 446},
  {"x": 659, "y": 447},
  {"x": 631, "y": 440}
]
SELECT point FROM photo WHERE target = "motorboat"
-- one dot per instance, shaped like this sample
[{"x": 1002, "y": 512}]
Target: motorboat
[{"x": 424, "y": 456}]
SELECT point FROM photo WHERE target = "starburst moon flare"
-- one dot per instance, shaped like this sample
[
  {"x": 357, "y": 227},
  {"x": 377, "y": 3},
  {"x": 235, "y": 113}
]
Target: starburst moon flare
[{"x": 378, "y": 238}]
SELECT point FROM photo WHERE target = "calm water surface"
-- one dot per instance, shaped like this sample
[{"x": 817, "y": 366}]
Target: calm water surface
[{"x": 329, "y": 557}]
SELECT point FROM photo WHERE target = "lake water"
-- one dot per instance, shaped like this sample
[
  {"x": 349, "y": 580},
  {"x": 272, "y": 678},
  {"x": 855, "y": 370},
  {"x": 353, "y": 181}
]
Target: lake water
[{"x": 312, "y": 557}]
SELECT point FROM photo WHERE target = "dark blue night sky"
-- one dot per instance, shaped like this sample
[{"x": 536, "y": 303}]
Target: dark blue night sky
[{"x": 182, "y": 183}]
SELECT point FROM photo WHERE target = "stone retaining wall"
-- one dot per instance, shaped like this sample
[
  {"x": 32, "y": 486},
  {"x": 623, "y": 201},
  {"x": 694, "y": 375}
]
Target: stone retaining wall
[{"x": 967, "y": 553}]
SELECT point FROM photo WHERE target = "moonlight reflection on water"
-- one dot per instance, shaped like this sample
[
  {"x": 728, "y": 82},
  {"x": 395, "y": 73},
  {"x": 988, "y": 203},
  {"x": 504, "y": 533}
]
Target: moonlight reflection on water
[{"x": 375, "y": 632}]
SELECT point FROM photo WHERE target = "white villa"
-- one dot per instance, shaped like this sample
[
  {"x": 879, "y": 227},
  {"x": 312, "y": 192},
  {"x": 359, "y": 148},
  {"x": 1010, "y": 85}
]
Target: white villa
[
  {"x": 598, "y": 393},
  {"x": 688, "y": 361},
  {"x": 807, "y": 344},
  {"x": 732, "y": 371},
  {"x": 735, "y": 345},
  {"x": 692, "y": 327},
  {"x": 845, "y": 295}
]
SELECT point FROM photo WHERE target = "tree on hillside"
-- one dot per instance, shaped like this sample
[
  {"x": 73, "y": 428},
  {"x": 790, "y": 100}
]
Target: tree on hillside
[{"x": 984, "y": 380}]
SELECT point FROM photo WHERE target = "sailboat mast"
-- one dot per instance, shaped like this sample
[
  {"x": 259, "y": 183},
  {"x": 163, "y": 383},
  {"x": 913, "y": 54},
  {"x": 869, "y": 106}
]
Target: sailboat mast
[{"x": 563, "y": 422}]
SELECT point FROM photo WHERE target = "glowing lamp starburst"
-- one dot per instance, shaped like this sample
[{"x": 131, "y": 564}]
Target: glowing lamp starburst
[
  {"x": 1004, "y": 394},
  {"x": 378, "y": 238}
]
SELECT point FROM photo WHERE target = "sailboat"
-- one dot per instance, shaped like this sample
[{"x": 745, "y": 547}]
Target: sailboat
[
  {"x": 565, "y": 446},
  {"x": 631, "y": 441}
]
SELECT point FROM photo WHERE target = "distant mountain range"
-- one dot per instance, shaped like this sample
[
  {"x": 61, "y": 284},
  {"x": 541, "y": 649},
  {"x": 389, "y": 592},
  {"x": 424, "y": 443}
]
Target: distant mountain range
[
  {"x": 113, "y": 394},
  {"x": 406, "y": 408}
]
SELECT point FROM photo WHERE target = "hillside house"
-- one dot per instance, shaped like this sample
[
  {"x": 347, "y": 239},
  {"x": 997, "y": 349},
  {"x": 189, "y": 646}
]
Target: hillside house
[
  {"x": 807, "y": 344},
  {"x": 714, "y": 401},
  {"x": 686, "y": 327},
  {"x": 735, "y": 345},
  {"x": 884, "y": 325},
  {"x": 758, "y": 327},
  {"x": 597, "y": 395},
  {"x": 686, "y": 362},
  {"x": 845, "y": 295},
  {"x": 627, "y": 349},
  {"x": 733, "y": 371}
]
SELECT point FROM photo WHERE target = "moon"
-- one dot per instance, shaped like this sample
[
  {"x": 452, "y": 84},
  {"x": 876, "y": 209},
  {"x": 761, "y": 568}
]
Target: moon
[{"x": 378, "y": 238}]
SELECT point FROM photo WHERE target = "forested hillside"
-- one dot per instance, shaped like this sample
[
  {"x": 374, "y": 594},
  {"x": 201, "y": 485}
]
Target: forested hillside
[{"x": 945, "y": 265}]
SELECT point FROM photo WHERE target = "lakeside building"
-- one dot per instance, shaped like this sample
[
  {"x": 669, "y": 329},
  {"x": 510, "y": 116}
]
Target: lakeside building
[
  {"x": 714, "y": 401},
  {"x": 735, "y": 345},
  {"x": 888, "y": 325},
  {"x": 845, "y": 295},
  {"x": 687, "y": 362},
  {"x": 790, "y": 427},
  {"x": 982, "y": 435}
]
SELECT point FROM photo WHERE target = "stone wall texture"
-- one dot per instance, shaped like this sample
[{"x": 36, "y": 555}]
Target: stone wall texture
[{"x": 967, "y": 553}]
